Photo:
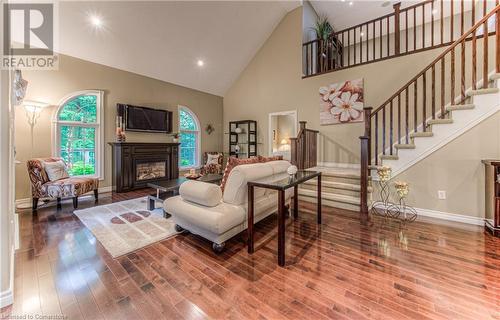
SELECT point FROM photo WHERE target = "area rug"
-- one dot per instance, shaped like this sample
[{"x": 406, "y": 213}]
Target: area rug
[{"x": 123, "y": 227}]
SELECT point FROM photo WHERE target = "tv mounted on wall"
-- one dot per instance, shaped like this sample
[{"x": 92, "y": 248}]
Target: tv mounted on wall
[{"x": 144, "y": 119}]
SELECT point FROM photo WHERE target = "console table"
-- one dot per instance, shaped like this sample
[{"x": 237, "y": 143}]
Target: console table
[
  {"x": 281, "y": 182},
  {"x": 492, "y": 200}
]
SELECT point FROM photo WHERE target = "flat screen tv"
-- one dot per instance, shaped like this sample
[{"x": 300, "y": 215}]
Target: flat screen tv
[{"x": 145, "y": 119}]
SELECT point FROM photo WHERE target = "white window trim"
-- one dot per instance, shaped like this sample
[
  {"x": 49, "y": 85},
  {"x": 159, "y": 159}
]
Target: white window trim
[
  {"x": 99, "y": 124},
  {"x": 197, "y": 165}
]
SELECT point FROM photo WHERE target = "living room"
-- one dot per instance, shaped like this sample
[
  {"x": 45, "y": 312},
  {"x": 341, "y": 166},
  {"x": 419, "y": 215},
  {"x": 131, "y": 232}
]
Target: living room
[{"x": 333, "y": 160}]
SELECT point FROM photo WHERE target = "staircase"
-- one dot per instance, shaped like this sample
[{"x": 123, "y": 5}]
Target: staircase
[
  {"x": 340, "y": 188},
  {"x": 435, "y": 107}
]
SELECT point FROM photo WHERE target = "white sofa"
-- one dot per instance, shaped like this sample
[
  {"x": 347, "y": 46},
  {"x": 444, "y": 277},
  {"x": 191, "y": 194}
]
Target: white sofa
[{"x": 202, "y": 209}]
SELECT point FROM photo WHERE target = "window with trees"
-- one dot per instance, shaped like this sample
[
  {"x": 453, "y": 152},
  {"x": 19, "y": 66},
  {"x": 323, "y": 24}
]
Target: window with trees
[
  {"x": 189, "y": 134},
  {"x": 79, "y": 133}
]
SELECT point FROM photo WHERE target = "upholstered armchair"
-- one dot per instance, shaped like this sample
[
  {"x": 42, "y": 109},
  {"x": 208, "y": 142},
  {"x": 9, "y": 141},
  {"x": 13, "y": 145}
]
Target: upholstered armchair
[
  {"x": 212, "y": 168},
  {"x": 42, "y": 187}
]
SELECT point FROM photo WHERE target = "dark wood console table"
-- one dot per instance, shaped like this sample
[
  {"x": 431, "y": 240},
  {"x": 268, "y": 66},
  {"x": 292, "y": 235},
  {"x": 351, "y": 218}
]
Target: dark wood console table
[
  {"x": 280, "y": 182},
  {"x": 492, "y": 200}
]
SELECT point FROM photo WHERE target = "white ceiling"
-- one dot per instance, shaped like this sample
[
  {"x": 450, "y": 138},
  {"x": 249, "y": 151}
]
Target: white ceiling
[
  {"x": 341, "y": 15},
  {"x": 164, "y": 39}
]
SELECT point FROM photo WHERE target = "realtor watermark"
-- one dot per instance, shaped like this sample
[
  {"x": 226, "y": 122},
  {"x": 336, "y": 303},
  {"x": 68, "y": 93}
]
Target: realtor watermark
[{"x": 29, "y": 36}]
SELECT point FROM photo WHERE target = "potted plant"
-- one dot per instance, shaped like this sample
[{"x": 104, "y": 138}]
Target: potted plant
[{"x": 323, "y": 31}]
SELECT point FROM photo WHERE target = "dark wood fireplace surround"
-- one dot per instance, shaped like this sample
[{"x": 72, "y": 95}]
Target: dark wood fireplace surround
[{"x": 126, "y": 156}]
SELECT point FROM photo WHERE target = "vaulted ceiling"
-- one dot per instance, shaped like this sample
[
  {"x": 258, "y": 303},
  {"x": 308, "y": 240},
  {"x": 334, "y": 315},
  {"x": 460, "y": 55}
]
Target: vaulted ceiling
[{"x": 165, "y": 39}]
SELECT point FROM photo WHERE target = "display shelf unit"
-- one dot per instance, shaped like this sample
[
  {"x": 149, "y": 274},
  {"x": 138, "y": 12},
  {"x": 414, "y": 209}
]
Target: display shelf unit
[{"x": 243, "y": 136}]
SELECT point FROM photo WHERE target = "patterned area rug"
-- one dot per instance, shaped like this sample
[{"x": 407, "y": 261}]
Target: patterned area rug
[{"x": 123, "y": 227}]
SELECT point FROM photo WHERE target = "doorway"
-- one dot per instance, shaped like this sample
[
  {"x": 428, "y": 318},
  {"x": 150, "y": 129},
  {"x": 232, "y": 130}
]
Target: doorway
[{"x": 282, "y": 127}]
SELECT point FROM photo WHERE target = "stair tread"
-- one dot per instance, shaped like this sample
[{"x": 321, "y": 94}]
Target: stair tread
[
  {"x": 482, "y": 91},
  {"x": 421, "y": 134},
  {"x": 495, "y": 76},
  {"x": 389, "y": 157},
  {"x": 439, "y": 121},
  {"x": 336, "y": 172},
  {"x": 460, "y": 107},
  {"x": 404, "y": 146},
  {"x": 337, "y": 185},
  {"x": 330, "y": 196}
]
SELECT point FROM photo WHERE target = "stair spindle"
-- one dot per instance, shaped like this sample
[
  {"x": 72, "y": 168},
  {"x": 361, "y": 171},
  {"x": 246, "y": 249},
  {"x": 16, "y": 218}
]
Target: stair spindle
[
  {"x": 433, "y": 91},
  {"x": 442, "y": 88},
  {"x": 485, "y": 54},
  {"x": 407, "y": 107},
  {"x": 424, "y": 100},
  {"x": 376, "y": 138},
  {"x": 399, "y": 118},
  {"x": 391, "y": 128}
]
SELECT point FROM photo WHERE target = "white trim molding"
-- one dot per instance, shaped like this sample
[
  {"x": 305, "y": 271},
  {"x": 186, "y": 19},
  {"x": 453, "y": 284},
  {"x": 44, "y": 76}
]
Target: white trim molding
[
  {"x": 98, "y": 125},
  {"x": 339, "y": 165},
  {"x": 447, "y": 216},
  {"x": 292, "y": 113}
]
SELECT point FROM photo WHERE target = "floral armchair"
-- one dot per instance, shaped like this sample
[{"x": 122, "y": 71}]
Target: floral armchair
[
  {"x": 42, "y": 187},
  {"x": 212, "y": 168}
]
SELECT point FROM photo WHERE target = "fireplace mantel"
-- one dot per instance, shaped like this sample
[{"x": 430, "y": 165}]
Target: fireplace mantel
[{"x": 129, "y": 156}]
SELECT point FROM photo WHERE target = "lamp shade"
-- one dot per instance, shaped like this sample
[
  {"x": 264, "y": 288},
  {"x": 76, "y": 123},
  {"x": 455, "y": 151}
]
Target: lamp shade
[
  {"x": 34, "y": 106},
  {"x": 284, "y": 141}
]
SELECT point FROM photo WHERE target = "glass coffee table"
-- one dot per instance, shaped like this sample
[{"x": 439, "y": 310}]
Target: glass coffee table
[{"x": 171, "y": 187}]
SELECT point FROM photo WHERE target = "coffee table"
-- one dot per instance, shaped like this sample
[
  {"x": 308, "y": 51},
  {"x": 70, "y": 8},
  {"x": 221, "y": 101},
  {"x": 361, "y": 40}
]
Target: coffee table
[{"x": 163, "y": 188}]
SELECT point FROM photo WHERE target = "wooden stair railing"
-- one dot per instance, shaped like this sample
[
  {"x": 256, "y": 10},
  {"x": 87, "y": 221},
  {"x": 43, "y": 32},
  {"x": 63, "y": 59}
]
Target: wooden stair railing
[
  {"x": 304, "y": 147},
  {"x": 416, "y": 28},
  {"x": 426, "y": 95}
]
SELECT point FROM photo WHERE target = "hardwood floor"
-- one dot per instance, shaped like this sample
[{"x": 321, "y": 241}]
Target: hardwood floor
[{"x": 341, "y": 269}]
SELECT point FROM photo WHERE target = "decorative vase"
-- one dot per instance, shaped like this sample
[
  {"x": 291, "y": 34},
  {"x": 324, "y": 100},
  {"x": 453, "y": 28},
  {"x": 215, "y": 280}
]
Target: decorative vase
[
  {"x": 238, "y": 130},
  {"x": 382, "y": 206},
  {"x": 175, "y": 140},
  {"x": 292, "y": 170},
  {"x": 236, "y": 148}
]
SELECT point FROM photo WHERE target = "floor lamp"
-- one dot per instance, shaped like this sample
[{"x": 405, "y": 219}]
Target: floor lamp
[{"x": 32, "y": 110}]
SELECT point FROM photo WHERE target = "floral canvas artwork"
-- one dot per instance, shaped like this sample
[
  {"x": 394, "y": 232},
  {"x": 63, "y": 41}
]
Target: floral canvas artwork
[{"x": 342, "y": 102}]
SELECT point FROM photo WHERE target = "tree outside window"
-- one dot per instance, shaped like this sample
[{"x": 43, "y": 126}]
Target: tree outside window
[
  {"x": 78, "y": 133},
  {"x": 189, "y": 138}
]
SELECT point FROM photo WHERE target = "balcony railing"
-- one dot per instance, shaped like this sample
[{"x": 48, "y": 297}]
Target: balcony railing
[{"x": 423, "y": 26}]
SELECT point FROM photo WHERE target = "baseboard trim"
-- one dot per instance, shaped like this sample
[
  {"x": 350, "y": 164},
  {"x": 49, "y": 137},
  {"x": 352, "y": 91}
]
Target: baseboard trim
[
  {"x": 26, "y": 202},
  {"x": 6, "y": 298},
  {"x": 450, "y": 216},
  {"x": 455, "y": 217},
  {"x": 339, "y": 165}
]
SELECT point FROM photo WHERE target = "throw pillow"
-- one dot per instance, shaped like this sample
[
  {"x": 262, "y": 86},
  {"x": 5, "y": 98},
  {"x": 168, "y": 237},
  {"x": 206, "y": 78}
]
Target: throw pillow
[
  {"x": 212, "y": 158},
  {"x": 55, "y": 170},
  {"x": 233, "y": 162},
  {"x": 272, "y": 158}
]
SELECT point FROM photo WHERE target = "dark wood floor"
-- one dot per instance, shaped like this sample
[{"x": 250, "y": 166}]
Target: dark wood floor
[{"x": 341, "y": 270}]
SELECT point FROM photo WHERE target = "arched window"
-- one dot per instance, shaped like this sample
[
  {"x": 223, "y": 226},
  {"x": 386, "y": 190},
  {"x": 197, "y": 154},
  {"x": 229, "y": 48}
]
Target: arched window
[
  {"x": 189, "y": 130},
  {"x": 78, "y": 133}
]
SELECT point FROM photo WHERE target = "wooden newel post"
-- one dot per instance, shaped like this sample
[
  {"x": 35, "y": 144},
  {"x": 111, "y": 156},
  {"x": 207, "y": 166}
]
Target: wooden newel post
[
  {"x": 397, "y": 28},
  {"x": 365, "y": 162},
  {"x": 497, "y": 40},
  {"x": 365, "y": 142}
]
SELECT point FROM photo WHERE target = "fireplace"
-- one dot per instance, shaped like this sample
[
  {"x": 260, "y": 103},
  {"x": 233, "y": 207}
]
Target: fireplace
[
  {"x": 150, "y": 170},
  {"x": 137, "y": 164}
]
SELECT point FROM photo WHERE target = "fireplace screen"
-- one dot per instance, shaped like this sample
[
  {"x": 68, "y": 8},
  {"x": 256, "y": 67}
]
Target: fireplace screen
[{"x": 150, "y": 170}]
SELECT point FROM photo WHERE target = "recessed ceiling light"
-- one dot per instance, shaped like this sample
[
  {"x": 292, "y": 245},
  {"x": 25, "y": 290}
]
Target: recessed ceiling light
[
  {"x": 351, "y": 3},
  {"x": 362, "y": 34},
  {"x": 200, "y": 63},
  {"x": 96, "y": 21},
  {"x": 434, "y": 11}
]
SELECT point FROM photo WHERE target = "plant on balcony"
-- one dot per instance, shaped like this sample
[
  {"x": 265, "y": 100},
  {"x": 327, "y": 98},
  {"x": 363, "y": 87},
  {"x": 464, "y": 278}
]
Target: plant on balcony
[{"x": 323, "y": 31}]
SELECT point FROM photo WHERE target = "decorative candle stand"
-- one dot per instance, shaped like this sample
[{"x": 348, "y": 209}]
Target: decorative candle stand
[
  {"x": 382, "y": 206},
  {"x": 401, "y": 210}
]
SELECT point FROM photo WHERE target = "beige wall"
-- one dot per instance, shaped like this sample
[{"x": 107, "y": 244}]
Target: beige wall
[
  {"x": 272, "y": 82},
  {"x": 119, "y": 87}
]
